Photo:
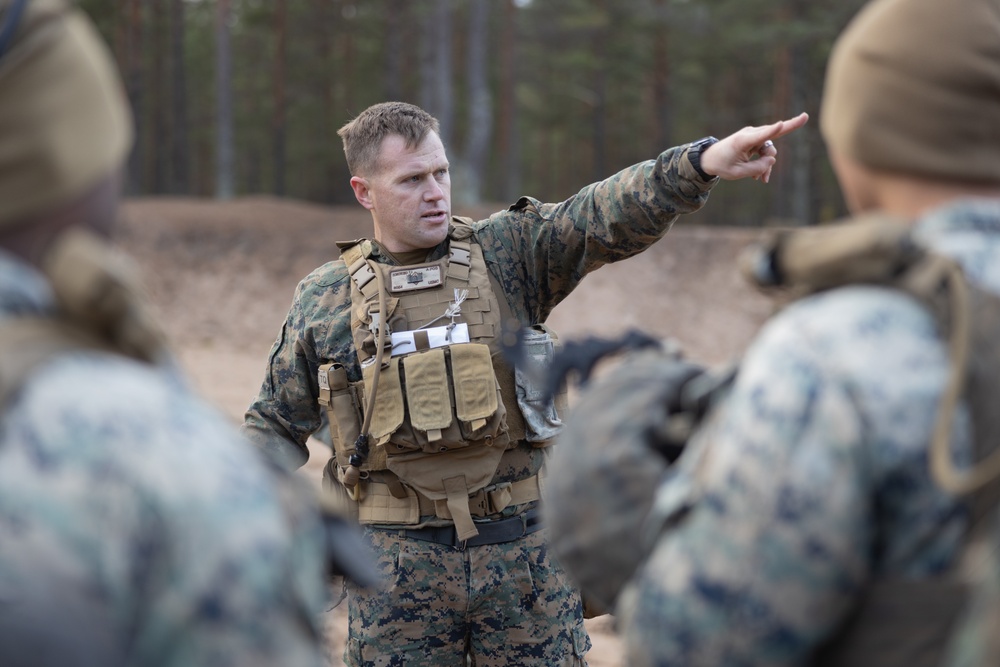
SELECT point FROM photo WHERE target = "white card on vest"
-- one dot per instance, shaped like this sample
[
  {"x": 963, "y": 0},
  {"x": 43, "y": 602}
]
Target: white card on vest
[{"x": 404, "y": 342}]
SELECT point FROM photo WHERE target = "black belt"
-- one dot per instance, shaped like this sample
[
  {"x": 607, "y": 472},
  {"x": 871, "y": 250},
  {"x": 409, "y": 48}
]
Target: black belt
[{"x": 490, "y": 532}]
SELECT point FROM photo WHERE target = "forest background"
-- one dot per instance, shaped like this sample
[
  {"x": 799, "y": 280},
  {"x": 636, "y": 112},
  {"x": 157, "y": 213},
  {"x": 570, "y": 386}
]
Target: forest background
[{"x": 539, "y": 97}]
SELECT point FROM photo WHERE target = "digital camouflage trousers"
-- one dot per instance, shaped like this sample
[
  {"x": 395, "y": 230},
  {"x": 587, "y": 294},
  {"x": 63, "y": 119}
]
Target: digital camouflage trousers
[{"x": 493, "y": 605}]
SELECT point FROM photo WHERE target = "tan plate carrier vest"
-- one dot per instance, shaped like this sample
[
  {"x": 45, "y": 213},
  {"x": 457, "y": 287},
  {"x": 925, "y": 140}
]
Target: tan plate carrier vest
[
  {"x": 907, "y": 623},
  {"x": 443, "y": 417}
]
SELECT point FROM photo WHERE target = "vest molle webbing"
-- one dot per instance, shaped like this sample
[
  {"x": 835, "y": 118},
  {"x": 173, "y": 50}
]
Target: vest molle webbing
[{"x": 445, "y": 409}]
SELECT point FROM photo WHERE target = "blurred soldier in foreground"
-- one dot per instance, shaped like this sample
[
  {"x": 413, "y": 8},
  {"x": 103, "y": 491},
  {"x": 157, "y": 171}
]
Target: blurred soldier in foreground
[
  {"x": 136, "y": 526},
  {"x": 827, "y": 502},
  {"x": 437, "y": 441}
]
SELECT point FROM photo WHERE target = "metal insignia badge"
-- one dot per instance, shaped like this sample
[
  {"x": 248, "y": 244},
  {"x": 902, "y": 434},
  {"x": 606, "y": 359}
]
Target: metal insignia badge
[{"x": 414, "y": 278}]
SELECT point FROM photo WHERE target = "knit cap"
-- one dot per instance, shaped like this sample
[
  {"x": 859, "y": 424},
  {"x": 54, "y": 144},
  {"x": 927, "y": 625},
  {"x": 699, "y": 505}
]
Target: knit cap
[
  {"x": 913, "y": 87},
  {"x": 65, "y": 123}
]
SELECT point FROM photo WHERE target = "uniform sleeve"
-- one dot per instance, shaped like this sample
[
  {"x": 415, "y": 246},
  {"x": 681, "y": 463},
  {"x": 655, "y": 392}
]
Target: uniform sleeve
[
  {"x": 286, "y": 412},
  {"x": 540, "y": 252}
]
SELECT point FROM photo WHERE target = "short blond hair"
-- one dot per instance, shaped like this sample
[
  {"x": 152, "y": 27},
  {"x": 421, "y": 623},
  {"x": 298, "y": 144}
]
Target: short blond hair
[{"x": 363, "y": 136}]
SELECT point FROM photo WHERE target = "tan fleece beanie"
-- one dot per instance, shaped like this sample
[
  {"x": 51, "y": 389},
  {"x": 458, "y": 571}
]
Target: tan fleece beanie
[
  {"x": 913, "y": 87},
  {"x": 65, "y": 124}
]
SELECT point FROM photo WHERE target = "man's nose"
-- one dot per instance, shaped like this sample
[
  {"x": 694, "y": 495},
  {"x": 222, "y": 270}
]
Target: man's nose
[{"x": 434, "y": 191}]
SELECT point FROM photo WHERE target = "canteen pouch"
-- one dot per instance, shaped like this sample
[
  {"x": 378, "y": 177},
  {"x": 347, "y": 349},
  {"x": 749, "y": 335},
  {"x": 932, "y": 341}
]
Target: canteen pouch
[
  {"x": 541, "y": 418},
  {"x": 343, "y": 408}
]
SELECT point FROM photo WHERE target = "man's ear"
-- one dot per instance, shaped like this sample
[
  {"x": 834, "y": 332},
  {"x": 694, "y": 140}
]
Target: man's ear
[{"x": 362, "y": 192}]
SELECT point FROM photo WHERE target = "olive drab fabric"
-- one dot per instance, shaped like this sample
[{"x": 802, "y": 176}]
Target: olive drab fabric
[
  {"x": 444, "y": 410},
  {"x": 601, "y": 487},
  {"x": 71, "y": 125},
  {"x": 894, "y": 105}
]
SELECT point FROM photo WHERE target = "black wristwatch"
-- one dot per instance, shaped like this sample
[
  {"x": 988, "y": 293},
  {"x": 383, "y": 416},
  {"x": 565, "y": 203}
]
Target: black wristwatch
[{"x": 694, "y": 155}]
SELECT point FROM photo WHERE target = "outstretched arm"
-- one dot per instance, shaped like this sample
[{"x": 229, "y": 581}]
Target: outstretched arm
[{"x": 749, "y": 152}]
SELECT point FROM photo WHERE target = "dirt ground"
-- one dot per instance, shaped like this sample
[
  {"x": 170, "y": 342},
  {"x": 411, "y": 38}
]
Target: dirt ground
[{"x": 221, "y": 277}]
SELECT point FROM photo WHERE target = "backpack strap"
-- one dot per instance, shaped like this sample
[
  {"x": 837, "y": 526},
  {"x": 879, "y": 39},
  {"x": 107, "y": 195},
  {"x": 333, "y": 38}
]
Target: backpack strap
[
  {"x": 460, "y": 255},
  {"x": 27, "y": 343}
]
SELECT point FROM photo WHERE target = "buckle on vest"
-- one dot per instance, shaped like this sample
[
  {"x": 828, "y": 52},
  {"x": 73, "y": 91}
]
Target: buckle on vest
[
  {"x": 482, "y": 503},
  {"x": 491, "y": 500}
]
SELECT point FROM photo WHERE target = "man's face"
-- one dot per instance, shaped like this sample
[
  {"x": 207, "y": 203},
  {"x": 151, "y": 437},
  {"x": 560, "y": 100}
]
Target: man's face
[{"x": 409, "y": 195}]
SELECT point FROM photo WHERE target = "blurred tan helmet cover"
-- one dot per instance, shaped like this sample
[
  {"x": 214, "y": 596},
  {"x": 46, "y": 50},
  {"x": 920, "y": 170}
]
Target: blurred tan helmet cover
[
  {"x": 65, "y": 124},
  {"x": 913, "y": 87}
]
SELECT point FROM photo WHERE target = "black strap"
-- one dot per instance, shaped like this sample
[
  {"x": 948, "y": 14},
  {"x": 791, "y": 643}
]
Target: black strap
[
  {"x": 490, "y": 532},
  {"x": 10, "y": 23}
]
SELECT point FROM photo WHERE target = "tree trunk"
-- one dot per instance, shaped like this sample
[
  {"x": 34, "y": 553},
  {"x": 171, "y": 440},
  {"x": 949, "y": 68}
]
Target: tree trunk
[
  {"x": 507, "y": 130},
  {"x": 663, "y": 131},
  {"x": 480, "y": 123},
  {"x": 158, "y": 99},
  {"x": 600, "y": 110},
  {"x": 800, "y": 166},
  {"x": 326, "y": 127},
  {"x": 179, "y": 133},
  {"x": 278, "y": 111},
  {"x": 436, "y": 67},
  {"x": 395, "y": 11},
  {"x": 134, "y": 87},
  {"x": 223, "y": 103},
  {"x": 349, "y": 63}
]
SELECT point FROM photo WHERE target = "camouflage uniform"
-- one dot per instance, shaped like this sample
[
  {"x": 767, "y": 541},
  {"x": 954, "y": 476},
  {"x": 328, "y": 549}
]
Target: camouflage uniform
[
  {"x": 811, "y": 477},
  {"x": 136, "y": 527},
  {"x": 511, "y": 599}
]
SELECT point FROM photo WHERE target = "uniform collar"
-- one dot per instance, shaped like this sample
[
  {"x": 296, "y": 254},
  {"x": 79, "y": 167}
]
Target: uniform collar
[{"x": 973, "y": 214}]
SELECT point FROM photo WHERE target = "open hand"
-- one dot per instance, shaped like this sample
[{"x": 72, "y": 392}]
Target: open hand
[{"x": 750, "y": 152}]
